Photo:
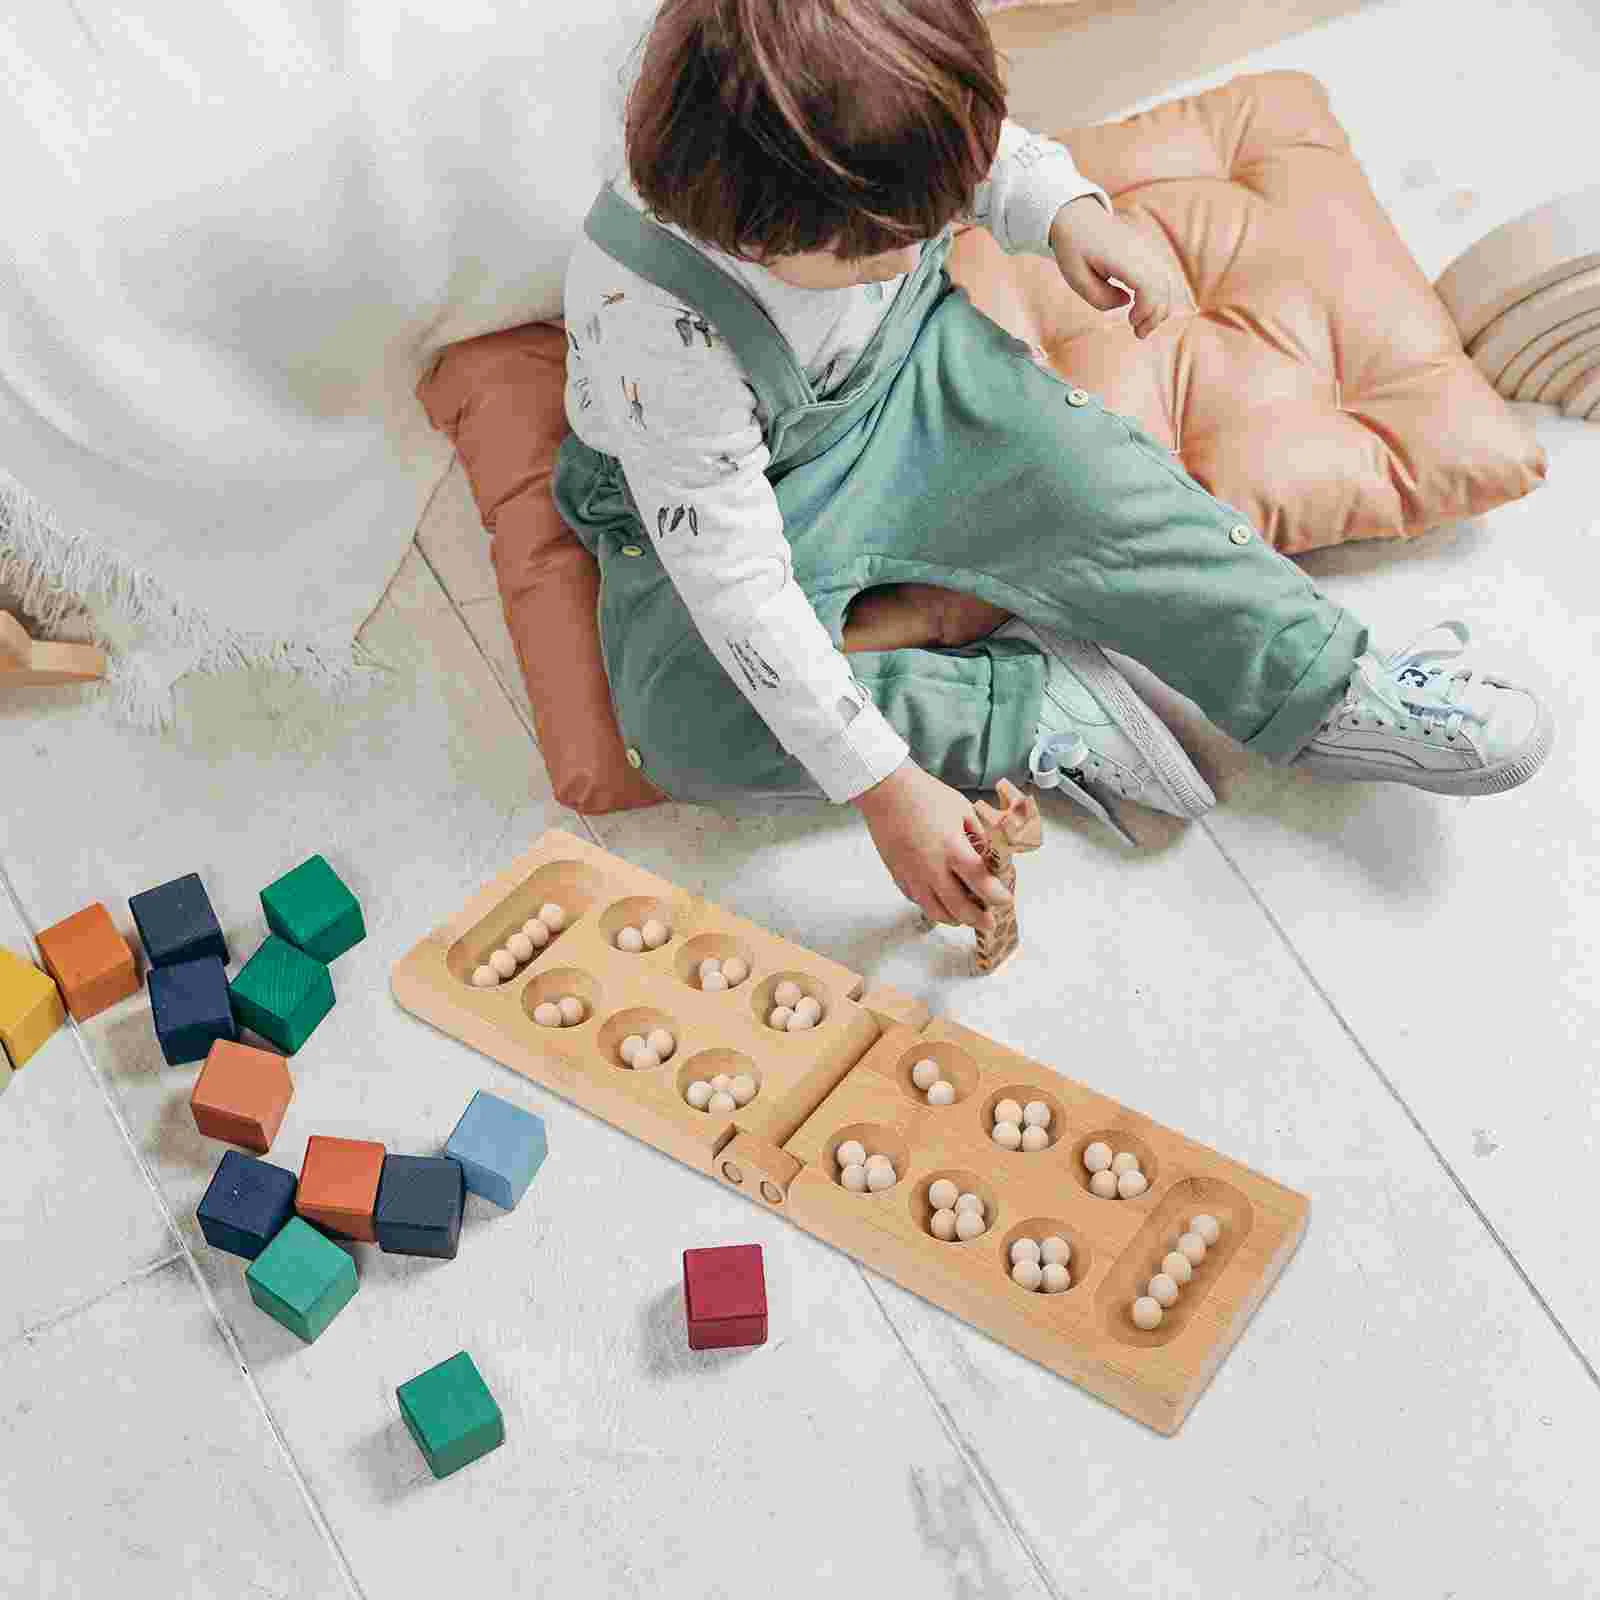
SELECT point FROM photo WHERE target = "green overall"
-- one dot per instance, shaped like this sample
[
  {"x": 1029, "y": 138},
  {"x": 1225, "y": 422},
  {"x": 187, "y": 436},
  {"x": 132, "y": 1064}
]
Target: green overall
[{"x": 950, "y": 458}]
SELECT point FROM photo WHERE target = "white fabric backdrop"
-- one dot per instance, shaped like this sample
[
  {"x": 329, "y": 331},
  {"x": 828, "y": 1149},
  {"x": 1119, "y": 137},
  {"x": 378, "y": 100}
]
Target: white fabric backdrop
[{"x": 233, "y": 236}]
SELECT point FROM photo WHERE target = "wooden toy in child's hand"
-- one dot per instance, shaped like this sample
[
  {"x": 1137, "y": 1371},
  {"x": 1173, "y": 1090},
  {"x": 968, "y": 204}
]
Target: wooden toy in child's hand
[
  {"x": 1017, "y": 827},
  {"x": 26, "y": 662}
]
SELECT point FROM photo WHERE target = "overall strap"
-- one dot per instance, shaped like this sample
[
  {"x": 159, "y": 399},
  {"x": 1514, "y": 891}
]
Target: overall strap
[{"x": 655, "y": 253}]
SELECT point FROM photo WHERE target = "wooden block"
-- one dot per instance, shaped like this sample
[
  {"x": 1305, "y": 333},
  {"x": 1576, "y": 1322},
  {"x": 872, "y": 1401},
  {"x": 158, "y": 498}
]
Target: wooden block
[
  {"x": 1016, "y": 827},
  {"x": 176, "y": 922},
  {"x": 282, "y": 994},
  {"x": 500, "y": 1147},
  {"x": 241, "y": 1095},
  {"x": 302, "y": 1280},
  {"x": 6, "y": 1073},
  {"x": 420, "y": 1203},
  {"x": 90, "y": 961},
  {"x": 245, "y": 1205},
  {"x": 452, "y": 1416},
  {"x": 725, "y": 1297},
  {"x": 190, "y": 1009},
  {"x": 35, "y": 663},
  {"x": 854, "y": 1080},
  {"x": 339, "y": 1181},
  {"x": 30, "y": 1007},
  {"x": 313, "y": 910}
]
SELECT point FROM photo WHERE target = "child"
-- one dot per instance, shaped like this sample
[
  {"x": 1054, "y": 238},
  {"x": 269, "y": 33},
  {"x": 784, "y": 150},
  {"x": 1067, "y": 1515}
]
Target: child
[{"x": 780, "y": 402}]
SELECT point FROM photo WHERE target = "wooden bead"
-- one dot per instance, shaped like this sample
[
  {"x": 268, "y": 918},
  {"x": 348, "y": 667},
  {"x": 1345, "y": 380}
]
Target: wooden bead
[
  {"x": 1124, "y": 1161},
  {"x": 714, "y": 983},
  {"x": 970, "y": 1223},
  {"x": 571, "y": 1010},
  {"x": 1007, "y": 1135},
  {"x": 943, "y": 1225},
  {"x": 735, "y": 969},
  {"x": 854, "y": 1178},
  {"x": 698, "y": 1094},
  {"x": 536, "y": 933},
  {"x": 547, "y": 1014},
  {"x": 552, "y": 916},
  {"x": 521, "y": 946},
  {"x": 645, "y": 1060},
  {"x": 942, "y": 1194},
  {"x": 1097, "y": 1158},
  {"x": 1163, "y": 1290},
  {"x": 1207, "y": 1227},
  {"x": 852, "y": 1153},
  {"x": 720, "y": 1103},
  {"x": 655, "y": 933},
  {"x": 810, "y": 1007},
  {"x": 1178, "y": 1267},
  {"x": 942, "y": 1094},
  {"x": 968, "y": 1202},
  {"x": 881, "y": 1178},
  {"x": 485, "y": 977},
  {"x": 504, "y": 963},
  {"x": 630, "y": 939},
  {"x": 1055, "y": 1251},
  {"x": 1035, "y": 1138},
  {"x": 1146, "y": 1313},
  {"x": 743, "y": 1089},
  {"x": 1024, "y": 1250},
  {"x": 925, "y": 1073},
  {"x": 787, "y": 993},
  {"x": 778, "y": 1017},
  {"x": 661, "y": 1042},
  {"x": 1104, "y": 1184},
  {"x": 708, "y": 966},
  {"x": 631, "y": 1046},
  {"x": 1008, "y": 1111},
  {"x": 1056, "y": 1278},
  {"x": 1027, "y": 1274},
  {"x": 1193, "y": 1246},
  {"x": 1132, "y": 1184},
  {"x": 1036, "y": 1114}
]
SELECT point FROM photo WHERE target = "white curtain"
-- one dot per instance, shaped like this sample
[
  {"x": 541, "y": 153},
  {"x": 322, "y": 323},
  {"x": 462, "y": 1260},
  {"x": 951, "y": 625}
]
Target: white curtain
[{"x": 233, "y": 235}]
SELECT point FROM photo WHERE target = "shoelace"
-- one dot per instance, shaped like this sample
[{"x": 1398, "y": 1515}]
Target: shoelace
[{"x": 1423, "y": 701}]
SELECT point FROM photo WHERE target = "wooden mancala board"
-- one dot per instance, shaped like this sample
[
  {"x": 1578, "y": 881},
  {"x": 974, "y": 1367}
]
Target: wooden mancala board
[{"x": 850, "y": 1078}]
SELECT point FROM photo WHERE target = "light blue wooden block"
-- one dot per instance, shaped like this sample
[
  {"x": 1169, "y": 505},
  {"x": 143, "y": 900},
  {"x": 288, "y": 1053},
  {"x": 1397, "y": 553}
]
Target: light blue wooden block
[{"x": 500, "y": 1147}]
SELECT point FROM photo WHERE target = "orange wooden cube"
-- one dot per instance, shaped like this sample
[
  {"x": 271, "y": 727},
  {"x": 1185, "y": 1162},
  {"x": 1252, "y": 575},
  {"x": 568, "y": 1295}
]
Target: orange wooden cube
[
  {"x": 91, "y": 962},
  {"x": 339, "y": 1186},
  {"x": 241, "y": 1095}
]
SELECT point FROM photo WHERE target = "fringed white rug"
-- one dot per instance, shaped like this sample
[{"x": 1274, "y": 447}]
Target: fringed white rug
[{"x": 69, "y": 586}]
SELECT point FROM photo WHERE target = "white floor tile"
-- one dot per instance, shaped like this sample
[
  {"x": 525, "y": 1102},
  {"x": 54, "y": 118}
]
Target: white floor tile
[
  {"x": 139, "y": 1462},
  {"x": 455, "y": 541},
  {"x": 77, "y": 1215},
  {"x": 487, "y": 620}
]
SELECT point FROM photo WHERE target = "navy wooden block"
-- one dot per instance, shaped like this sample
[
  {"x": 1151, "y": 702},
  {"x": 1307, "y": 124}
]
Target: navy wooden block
[
  {"x": 191, "y": 1008},
  {"x": 247, "y": 1202},
  {"x": 420, "y": 1199},
  {"x": 176, "y": 922}
]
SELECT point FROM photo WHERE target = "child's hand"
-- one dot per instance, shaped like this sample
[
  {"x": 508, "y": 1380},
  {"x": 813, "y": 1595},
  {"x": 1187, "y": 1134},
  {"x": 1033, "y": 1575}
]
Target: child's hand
[
  {"x": 930, "y": 840},
  {"x": 1091, "y": 245}
]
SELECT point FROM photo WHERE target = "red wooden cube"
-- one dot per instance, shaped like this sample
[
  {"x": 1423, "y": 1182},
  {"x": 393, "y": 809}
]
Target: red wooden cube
[
  {"x": 725, "y": 1294},
  {"x": 241, "y": 1095}
]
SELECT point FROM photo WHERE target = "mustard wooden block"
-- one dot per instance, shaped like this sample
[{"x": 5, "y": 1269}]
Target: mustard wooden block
[{"x": 30, "y": 1007}]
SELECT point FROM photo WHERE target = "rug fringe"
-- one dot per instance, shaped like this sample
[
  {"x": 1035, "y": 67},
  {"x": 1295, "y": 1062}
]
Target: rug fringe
[{"x": 151, "y": 638}]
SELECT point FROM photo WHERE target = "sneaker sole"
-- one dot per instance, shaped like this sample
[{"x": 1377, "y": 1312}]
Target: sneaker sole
[
  {"x": 1469, "y": 781},
  {"x": 1150, "y": 735}
]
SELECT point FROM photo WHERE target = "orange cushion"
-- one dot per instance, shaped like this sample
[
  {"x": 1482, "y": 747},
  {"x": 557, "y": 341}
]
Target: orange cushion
[{"x": 1321, "y": 386}]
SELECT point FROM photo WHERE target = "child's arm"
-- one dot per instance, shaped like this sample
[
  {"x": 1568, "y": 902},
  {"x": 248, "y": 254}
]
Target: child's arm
[
  {"x": 692, "y": 448},
  {"x": 1030, "y": 180}
]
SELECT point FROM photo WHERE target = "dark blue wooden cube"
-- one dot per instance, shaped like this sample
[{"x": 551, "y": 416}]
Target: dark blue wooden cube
[
  {"x": 176, "y": 922},
  {"x": 420, "y": 1199},
  {"x": 247, "y": 1202},
  {"x": 191, "y": 1008}
]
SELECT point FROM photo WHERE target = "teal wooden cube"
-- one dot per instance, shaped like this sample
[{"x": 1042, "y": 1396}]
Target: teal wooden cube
[
  {"x": 449, "y": 1411},
  {"x": 312, "y": 908},
  {"x": 302, "y": 1279},
  {"x": 282, "y": 994},
  {"x": 500, "y": 1147}
]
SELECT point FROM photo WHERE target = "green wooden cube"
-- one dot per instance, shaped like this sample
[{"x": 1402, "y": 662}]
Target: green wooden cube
[
  {"x": 311, "y": 908},
  {"x": 451, "y": 1414},
  {"x": 301, "y": 1279},
  {"x": 282, "y": 993}
]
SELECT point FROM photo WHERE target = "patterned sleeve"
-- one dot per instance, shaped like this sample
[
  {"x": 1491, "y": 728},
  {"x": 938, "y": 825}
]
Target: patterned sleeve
[
  {"x": 692, "y": 445},
  {"x": 1030, "y": 180}
]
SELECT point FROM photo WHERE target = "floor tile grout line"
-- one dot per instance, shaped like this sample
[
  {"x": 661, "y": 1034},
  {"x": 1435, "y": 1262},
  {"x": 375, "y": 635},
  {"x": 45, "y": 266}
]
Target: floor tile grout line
[
  {"x": 970, "y": 1457},
  {"x": 208, "y": 1299},
  {"x": 34, "y": 1329},
  {"x": 1393, "y": 1091}
]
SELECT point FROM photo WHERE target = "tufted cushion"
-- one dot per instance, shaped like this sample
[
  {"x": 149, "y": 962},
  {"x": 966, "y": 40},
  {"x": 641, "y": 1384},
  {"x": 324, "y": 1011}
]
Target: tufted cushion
[{"x": 1320, "y": 386}]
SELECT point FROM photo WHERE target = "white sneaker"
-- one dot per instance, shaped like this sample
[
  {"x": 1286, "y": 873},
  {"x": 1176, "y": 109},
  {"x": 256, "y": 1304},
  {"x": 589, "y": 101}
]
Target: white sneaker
[
  {"x": 1097, "y": 738},
  {"x": 1452, "y": 730}
]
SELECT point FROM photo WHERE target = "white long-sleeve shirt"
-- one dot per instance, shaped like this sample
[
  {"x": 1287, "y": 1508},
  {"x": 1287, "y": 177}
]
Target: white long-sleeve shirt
[{"x": 666, "y": 396}]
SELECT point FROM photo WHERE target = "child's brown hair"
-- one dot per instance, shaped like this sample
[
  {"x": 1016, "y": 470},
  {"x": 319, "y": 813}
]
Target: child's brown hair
[{"x": 780, "y": 127}]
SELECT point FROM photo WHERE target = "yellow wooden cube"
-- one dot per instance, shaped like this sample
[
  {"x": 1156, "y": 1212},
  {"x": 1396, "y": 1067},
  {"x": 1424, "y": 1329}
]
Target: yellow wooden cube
[{"x": 30, "y": 1007}]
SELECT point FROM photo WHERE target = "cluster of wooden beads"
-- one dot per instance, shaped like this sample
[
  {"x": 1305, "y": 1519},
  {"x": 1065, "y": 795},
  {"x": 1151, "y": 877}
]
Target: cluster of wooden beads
[
  {"x": 1021, "y": 1127},
  {"x": 940, "y": 1091},
  {"x": 651, "y": 936},
  {"x": 721, "y": 1093},
  {"x": 860, "y": 1171},
  {"x": 723, "y": 974},
  {"x": 643, "y": 1051},
  {"x": 1114, "y": 1177},
  {"x": 520, "y": 948},
  {"x": 567, "y": 1012},
  {"x": 792, "y": 1009},
  {"x": 955, "y": 1215},
  {"x": 1041, "y": 1264},
  {"x": 1177, "y": 1267}
]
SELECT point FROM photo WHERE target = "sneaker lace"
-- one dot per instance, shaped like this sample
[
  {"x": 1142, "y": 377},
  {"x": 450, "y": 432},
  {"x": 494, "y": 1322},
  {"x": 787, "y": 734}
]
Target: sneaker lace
[{"x": 1409, "y": 684}]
